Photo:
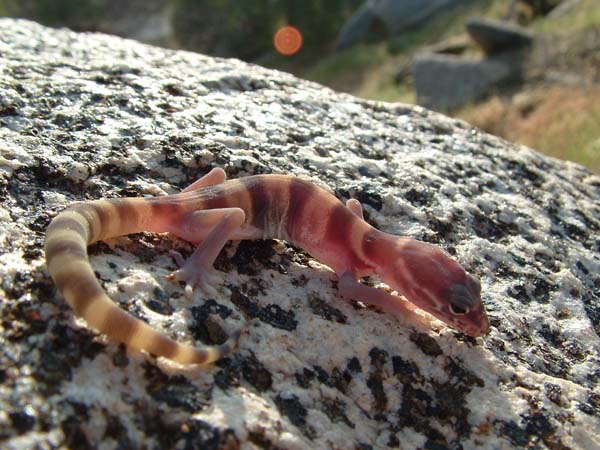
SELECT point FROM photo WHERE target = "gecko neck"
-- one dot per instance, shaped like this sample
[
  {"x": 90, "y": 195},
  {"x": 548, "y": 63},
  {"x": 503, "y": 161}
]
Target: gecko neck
[{"x": 381, "y": 250}]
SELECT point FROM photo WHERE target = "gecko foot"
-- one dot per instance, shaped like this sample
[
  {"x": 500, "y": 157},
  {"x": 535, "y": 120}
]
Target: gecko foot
[
  {"x": 198, "y": 269},
  {"x": 194, "y": 276}
]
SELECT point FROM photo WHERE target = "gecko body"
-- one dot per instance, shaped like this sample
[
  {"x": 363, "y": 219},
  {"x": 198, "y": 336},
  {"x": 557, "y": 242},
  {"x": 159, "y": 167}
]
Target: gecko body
[{"x": 213, "y": 210}]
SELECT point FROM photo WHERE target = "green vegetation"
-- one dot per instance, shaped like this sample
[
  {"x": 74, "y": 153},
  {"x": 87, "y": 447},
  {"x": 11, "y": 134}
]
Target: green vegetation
[
  {"x": 67, "y": 11},
  {"x": 581, "y": 17},
  {"x": 7, "y": 7},
  {"x": 351, "y": 63},
  {"x": 77, "y": 14},
  {"x": 245, "y": 29}
]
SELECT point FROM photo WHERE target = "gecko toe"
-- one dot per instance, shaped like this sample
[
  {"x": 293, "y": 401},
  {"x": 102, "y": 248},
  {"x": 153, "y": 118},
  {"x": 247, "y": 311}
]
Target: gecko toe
[
  {"x": 196, "y": 278},
  {"x": 178, "y": 257},
  {"x": 208, "y": 289}
]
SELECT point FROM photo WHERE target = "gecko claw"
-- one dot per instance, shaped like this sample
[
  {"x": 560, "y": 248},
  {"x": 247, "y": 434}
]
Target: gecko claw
[{"x": 196, "y": 277}]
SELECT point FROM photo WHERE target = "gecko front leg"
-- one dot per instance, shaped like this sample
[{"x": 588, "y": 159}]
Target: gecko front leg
[
  {"x": 213, "y": 227},
  {"x": 198, "y": 226},
  {"x": 350, "y": 288}
]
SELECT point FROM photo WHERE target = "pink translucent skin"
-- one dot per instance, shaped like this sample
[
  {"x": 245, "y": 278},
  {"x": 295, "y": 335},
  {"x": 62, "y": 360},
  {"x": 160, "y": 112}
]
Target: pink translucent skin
[{"x": 433, "y": 281}]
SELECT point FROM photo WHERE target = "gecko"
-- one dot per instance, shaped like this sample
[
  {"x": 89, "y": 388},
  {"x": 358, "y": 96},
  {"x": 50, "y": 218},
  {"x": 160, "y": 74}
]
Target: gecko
[{"x": 214, "y": 210}]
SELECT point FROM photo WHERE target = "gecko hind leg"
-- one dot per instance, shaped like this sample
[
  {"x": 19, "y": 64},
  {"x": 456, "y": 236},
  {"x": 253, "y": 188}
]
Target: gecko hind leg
[
  {"x": 355, "y": 207},
  {"x": 215, "y": 176},
  {"x": 198, "y": 269},
  {"x": 395, "y": 305}
]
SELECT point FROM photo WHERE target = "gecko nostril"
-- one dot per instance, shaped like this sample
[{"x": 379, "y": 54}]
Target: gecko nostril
[{"x": 474, "y": 284}]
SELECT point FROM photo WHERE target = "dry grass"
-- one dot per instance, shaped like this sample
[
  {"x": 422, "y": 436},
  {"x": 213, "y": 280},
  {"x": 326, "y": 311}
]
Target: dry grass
[{"x": 560, "y": 121}]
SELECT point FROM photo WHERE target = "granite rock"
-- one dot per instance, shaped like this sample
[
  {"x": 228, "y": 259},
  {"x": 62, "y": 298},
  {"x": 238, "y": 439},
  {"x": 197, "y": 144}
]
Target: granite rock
[
  {"x": 495, "y": 36},
  {"x": 395, "y": 16},
  {"x": 84, "y": 116},
  {"x": 445, "y": 81}
]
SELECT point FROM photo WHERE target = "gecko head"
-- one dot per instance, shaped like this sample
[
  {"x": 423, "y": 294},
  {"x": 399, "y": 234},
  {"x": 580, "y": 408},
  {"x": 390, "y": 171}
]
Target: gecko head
[{"x": 435, "y": 282}]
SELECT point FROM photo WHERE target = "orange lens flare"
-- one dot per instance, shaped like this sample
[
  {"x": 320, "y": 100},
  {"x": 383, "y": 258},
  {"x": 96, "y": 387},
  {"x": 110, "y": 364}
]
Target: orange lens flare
[{"x": 287, "y": 40}]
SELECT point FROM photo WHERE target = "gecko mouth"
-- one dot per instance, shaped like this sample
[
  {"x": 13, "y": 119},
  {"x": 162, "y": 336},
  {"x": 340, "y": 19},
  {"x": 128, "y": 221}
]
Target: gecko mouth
[
  {"x": 483, "y": 329},
  {"x": 478, "y": 326}
]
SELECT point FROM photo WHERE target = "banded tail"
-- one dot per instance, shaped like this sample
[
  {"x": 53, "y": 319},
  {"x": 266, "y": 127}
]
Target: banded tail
[{"x": 65, "y": 247}]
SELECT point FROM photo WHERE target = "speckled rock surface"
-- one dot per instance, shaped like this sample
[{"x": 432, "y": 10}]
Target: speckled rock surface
[{"x": 90, "y": 116}]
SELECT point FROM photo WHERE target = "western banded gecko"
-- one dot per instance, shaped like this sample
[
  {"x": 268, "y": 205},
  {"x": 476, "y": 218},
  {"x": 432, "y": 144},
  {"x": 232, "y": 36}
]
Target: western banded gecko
[{"x": 212, "y": 211}]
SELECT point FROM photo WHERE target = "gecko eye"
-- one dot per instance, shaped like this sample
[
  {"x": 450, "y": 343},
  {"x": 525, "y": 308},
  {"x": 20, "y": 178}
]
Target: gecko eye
[
  {"x": 457, "y": 310},
  {"x": 460, "y": 300}
]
